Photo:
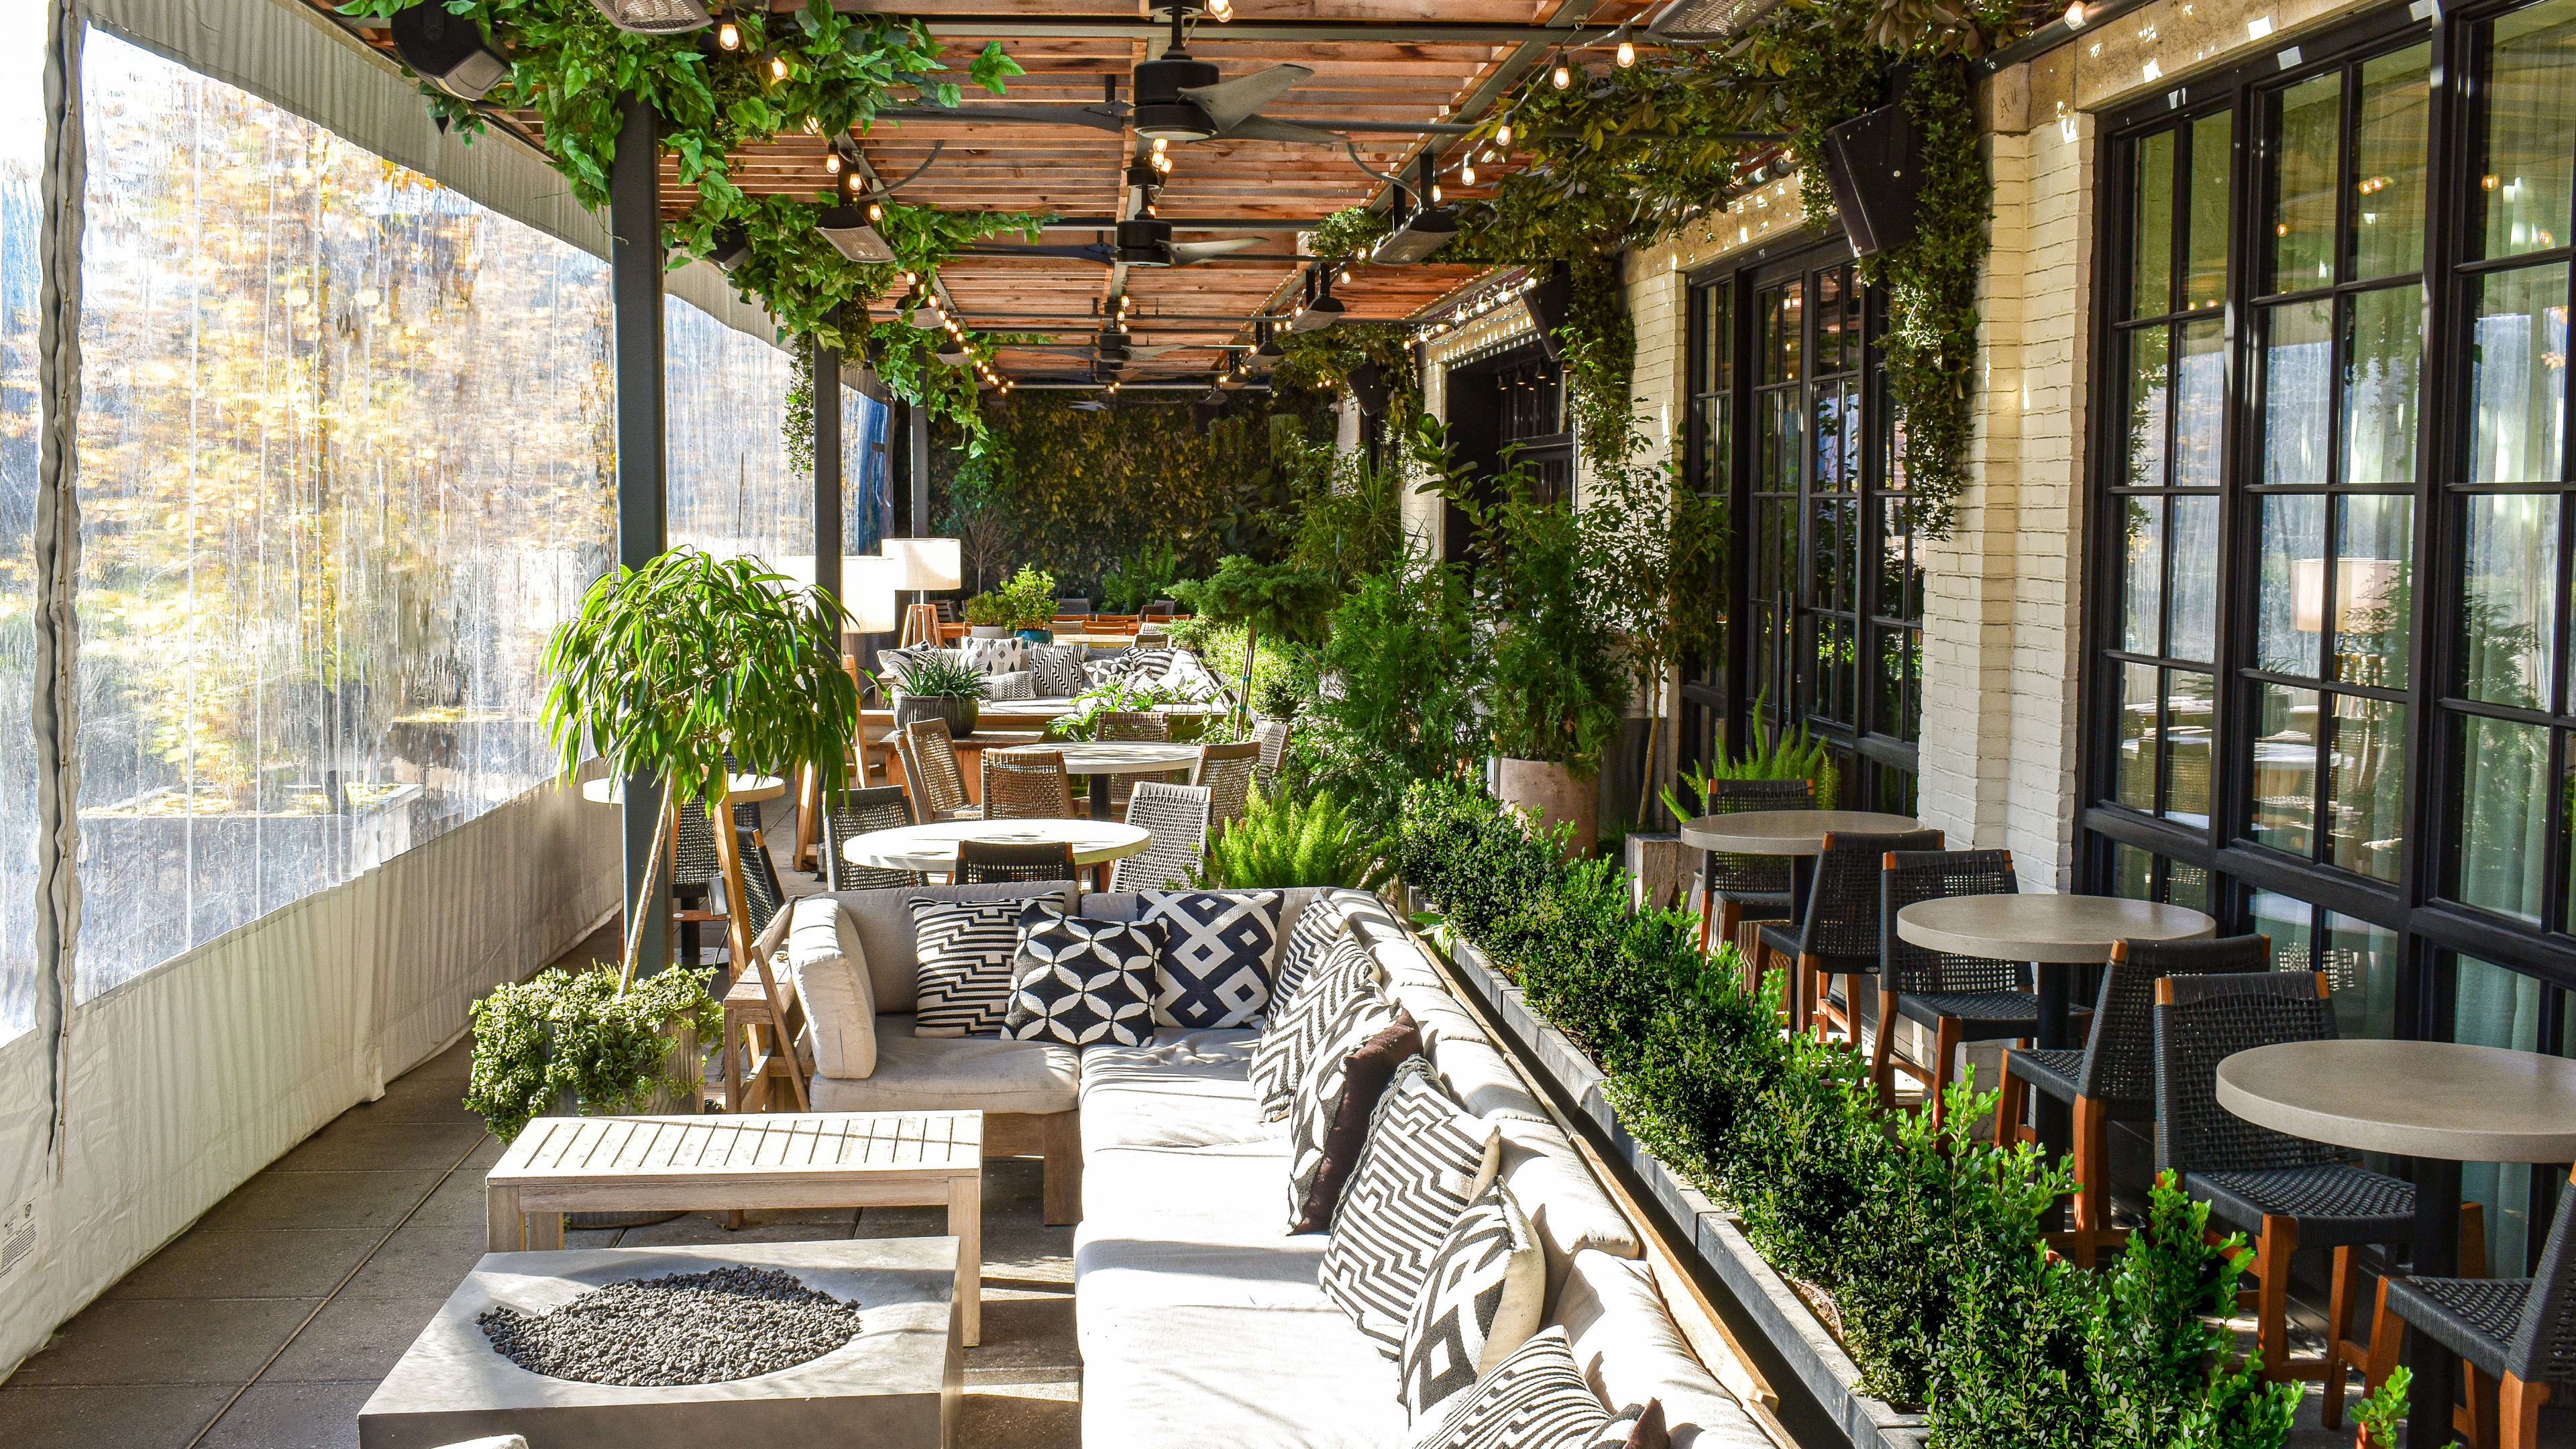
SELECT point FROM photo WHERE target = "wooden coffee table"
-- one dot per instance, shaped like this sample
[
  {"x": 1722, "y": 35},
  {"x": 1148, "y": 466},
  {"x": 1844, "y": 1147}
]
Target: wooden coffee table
[{"x": 765, "y": 1160}]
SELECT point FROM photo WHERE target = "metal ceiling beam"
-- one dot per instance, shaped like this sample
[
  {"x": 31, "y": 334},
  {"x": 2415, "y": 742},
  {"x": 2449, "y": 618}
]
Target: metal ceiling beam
[{"x": 1247, "y": 31}]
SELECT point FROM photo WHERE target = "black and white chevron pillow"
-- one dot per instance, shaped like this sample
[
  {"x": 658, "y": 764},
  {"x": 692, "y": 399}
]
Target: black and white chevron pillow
[
  {"x": 1295, "y": 1028},
  {"x": 1424, "y": 1161},
  {"x": 1534, "y": 1399},
  {"x": 1215, "y": 969},
  {"x": 966, "y": 950},
  {"x": 1082, "y": 982},
  {"x": 1313, "y": 936},
  {"x": 1481, "y": 1299},
  {"x": 1057, "y": 670}
]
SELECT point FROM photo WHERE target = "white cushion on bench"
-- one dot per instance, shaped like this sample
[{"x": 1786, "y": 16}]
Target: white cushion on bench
[
  {"x": 953, "y": 1073},
  {"x": 1187, "y": 1090},
  {"x": 1628, "y": 1348}
]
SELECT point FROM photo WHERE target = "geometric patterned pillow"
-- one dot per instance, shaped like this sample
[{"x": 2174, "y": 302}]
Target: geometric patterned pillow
[
  {"x": 1318, "y": 1099},
  {"x": 1424, "y": 1161},
  {"x": 1481, "y": 1301},
  {"x": 1313, "y": 935},
  {"x": 1083, "y": 981},
  {"x": 1535, "y": 1399},
  {"x": 965, "y": 949},
  {"x": 1295, "y": 1028},
  {"x": 1215, "y": 969},
  {"x": 994, "y": 656},
  {"x": 1018, "y": 684},
  {"x": 1057, "y": 670},
  {"x": 1143, "y": 666}
]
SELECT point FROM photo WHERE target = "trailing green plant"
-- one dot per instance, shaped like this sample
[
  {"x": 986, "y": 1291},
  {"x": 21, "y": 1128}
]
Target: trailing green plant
[
  {"x": 1142, "y": 577},
  {"x": 1110, "y": 696},
  {"x": 937, "y": 674},
  {"x": 1347, "y": 233},
  {"x": 1028, "y": 600},
  {"x": 1324, "y": 361},
  {"x": 1773, "y": 755},
  {"x": 796, "y": 418},
  {"x": 585, "y": 1034},
  {"x": 1295, "y": 840}
]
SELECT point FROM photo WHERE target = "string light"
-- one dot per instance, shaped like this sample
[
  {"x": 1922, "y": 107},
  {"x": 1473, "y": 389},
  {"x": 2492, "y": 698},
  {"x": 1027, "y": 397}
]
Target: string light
[
  {"x": 875, "y": 212},
  {"x": 729, "y": 36},
  {"x": 1221, "y": 9},
  {"x": 1466, "y": 176},
  {"x": 1160, "y": 142},
  {"x": 778, "y": 67},
  {"x": 1504, "y": 135},
  {"x": 1435, "y": 191},
  {"x": 813, "y": 126},
  {"x": 1627, "y": 54},
  {"x": 832, "y": 162},
  {"x": 1563, "y": 76},
  {"x": 2075, "y": 16}
]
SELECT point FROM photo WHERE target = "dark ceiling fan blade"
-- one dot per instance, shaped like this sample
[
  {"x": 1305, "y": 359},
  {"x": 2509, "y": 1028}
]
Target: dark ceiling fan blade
[
  {"x": 1104, "y": 255},
  {"x": 1185, "y": 253},
  {"x": 1231, "y": 102},
  {"x": 1112, "y": 117},
  {"x": 1264, "y": 128}
]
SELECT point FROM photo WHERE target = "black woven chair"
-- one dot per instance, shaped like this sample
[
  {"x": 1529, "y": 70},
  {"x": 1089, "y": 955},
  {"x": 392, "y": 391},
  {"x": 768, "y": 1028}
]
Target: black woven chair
[
  {"x": 2518, "y": 1334},
  {"x": 1840, "y": 934},
  {"x": 1962, "y": 998},
  {"x": 851, "y": 813},
  {"x": 1733, "y": 886},
  {"x": 2286, "y": 1192},
  {"x": 985, "y": 862},
  {"x": 2112, "y": 1077}
]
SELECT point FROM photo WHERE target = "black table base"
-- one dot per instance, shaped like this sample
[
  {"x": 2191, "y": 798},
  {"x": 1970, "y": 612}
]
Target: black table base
[{"x": 2437, "y": 1255}]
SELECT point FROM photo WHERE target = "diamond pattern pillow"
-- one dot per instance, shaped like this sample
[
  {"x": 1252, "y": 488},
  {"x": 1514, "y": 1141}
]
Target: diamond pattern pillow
[
  {"x": 994, "y": 656},
  {"x": 1534, "y": 1399},
  {"x": 1424, "y": 1161},
  {"x": 1317, "y": 926},
  {"x": 1080, "y": 982},
  {"x": 1215, "y": 969},
  {"x": 1058, "y": 670},
  {"x": 1480, "y": 1300},
  {"x": 964, "y": 950},
  {"x": 1318, "y": 1098},
  {"x": 1295, "y": 1027}
]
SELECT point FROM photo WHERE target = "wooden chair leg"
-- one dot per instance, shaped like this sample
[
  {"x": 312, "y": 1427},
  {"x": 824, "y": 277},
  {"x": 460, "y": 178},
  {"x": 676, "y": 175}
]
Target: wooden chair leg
[
  {"x": 2387, "y": 1336},
  {"x": 2272, "y": 1250},
  {"x": 1708, "y": 913},
  {"x": 1882, "y": 1069},
  {"x": 2472, "y": 1418},
  {"x": 1730, "y": 914},
  {"x": 1945, "y": 1045},
  {"x": 2473, "y": 1239},
  {"x": 2092, "y": 1181},
  {"x": 2008, "y": 1110},
  {"x": 2340, "y": 1349},
  {"x": 2518, "y": 1413}
]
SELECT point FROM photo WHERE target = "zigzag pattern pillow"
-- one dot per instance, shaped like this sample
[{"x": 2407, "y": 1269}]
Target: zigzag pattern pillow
[
  {"x": 965, "y": 951},
  {"x": 1079, "y": 981},
  {"x": 1318, "y": 1098},
  {"x": 1481, "y": 1300},
  {"x": 1057, "y": 670},
  {"x": 1425, "y": 1160},
  {"x": 1313, "y": 935},
  {"x": 1535, "y": 1399},
  {"x": 1296, "y": 1027},
  {"x": 1215, "y": 968},
  {"x": 994, "y": 656}
]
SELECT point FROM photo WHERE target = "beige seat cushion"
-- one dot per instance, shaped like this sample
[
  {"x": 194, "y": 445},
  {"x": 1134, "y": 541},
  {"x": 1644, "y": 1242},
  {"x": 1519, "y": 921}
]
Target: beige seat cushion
[
  {"x": 951, "y": 1073},
  {"x": 1555, "y": 1186},
  {"x": 831, "y": 973},
  {"x": 1630, "y": 1351},
  {"x": 1186, "y": 1091}
]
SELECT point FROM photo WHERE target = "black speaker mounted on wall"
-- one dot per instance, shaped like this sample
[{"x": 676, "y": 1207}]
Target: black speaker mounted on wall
[
  {"x": 1370, "y": 385},
  {"x": 1547, "y": 303},
  {"x": 1874, "y": 163}
]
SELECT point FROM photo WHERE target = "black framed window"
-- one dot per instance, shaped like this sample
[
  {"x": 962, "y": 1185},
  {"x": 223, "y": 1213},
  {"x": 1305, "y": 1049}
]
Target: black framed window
[
  {"x": 2329, "y": 587},
  {"x": 1708, "y": 460},
  {"x": 1789, "y": 416}
]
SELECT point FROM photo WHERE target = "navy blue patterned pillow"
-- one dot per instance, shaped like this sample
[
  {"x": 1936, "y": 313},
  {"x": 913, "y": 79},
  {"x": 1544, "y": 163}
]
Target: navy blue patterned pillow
[
  {"x": 1216, "y": 963},
  {"x": 1082, "y": 982}
]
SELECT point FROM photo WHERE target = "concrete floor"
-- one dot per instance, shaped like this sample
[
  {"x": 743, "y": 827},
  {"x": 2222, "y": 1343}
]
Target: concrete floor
[{"x": 268, "y": 1323}]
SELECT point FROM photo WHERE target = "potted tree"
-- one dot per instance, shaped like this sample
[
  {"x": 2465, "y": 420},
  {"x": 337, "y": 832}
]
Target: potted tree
[
  {"x": 987, "y": 617},
  {"x": 1028, "y": 604},
  {"x": 672, "y": 671},
  {"x": 938, "y": 686}
]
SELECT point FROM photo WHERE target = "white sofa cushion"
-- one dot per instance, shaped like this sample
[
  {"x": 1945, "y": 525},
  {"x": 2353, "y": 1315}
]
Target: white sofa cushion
[
  {"x": 1481, "y": 1300},
  {"x": 1546, "y": 1171},
  {"x": 1627, "y": 1348},
  {"x": 943, "y": 1074},
  {"x": 1185, "y": 1092},
  {"x": 1483, "y": 1082},
  {"x": 831, "y": 971},
  {"x": 1272, "y": 1377}
]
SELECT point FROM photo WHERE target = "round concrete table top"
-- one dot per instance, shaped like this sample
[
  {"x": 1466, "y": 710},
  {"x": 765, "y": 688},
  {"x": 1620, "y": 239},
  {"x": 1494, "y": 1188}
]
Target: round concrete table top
[
  {"x": 744, "y": 789},
  {"x": 932, "y": 848},
  {"x": 1125, "y": 757},
  {"x": 1787, "y": 832},
  {"x": 2062, "y": 930},
  {"x": 2412, "y": 1098}
]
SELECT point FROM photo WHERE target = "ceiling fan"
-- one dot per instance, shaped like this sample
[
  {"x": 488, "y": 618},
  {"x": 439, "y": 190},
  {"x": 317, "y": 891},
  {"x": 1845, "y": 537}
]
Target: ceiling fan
[{"x": 1180, "y": 97}]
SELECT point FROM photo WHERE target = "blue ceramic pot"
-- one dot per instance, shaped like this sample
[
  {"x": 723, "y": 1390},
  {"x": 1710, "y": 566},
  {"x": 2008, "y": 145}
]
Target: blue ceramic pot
[{"x": 1038, "y": 636}]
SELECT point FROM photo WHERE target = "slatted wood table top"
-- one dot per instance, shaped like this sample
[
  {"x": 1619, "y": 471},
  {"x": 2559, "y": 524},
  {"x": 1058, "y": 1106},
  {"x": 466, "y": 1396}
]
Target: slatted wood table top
[{"x": 765, "y": 1148}]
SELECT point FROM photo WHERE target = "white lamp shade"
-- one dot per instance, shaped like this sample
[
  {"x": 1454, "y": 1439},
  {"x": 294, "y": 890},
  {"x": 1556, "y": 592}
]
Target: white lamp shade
[
  {"x": 928, "y": 563},
  {"x": 867, "y": 587},
  {"x": 2362, "y": 587}
]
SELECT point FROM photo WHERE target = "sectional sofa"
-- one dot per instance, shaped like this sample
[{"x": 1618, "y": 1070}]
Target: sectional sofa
[{"x": 1200, "y": 1319}]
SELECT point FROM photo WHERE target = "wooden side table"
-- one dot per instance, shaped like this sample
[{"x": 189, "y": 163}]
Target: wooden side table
[{"x": 774, "y": 1160}]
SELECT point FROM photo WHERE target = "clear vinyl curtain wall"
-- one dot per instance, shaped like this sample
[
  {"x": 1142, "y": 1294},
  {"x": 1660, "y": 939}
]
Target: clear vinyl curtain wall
[
  {"x": 345, "y": 460},
  {"x": 2329, "y": 698},
  {"x": 22, "y": 141},
  {"x": 1791, "y": 423}
]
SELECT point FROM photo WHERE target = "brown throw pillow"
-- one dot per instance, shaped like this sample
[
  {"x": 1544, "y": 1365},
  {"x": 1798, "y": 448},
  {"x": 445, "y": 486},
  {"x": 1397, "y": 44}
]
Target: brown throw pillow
[
  {"x": 1648, "y": 1431},
  {"x": 1365, "y": 1074}
]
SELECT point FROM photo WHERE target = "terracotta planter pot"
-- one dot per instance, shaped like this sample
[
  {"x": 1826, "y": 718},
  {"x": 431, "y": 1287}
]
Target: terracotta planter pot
[{"x": 1555, "y": 795}]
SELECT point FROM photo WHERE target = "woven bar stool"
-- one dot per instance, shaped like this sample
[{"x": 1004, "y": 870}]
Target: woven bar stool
[
  {"x": 1026, "y": 784},
  {"x": 1177, "y": 818},
  {"x": 1962, "y": 998},
  {"x": 2112, "y": 1077},
  {"x": 986, "y": 862},
  {"x": 850, "y": 813},
  {"x": 1840, "y": 934},
  {"x": 1733, "y": 885}
]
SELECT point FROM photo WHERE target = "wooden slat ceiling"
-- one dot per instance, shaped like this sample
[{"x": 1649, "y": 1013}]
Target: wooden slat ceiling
[{"x": 1388, "y": 61}]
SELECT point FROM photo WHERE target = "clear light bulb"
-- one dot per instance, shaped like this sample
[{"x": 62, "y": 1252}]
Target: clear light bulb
[
  {"x": 1504, "y": 136},
  {"x": 1435, "y": 192},
  {"x": 729, "y": 35},
  {"x": 1627, "y": 53},
  {"x": 1160, "y": 142},
  {"x": 1221, "y": 9},
  {"x": 875, "y": 212},
  {"x": 2075, "y": 16},
  {"x": 1563, "y": 76},
  {"x": 1466, "y": 175},
  {"x": 778, "y": 67},
  {"x": 832, "y": 162}
]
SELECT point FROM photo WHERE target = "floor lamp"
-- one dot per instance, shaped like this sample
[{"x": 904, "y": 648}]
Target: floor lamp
[{"x": 929, "y": 565}]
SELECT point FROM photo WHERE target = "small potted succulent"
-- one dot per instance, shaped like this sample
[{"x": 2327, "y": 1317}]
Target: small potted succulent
[
  {"x": 1028, "y": 604},
  {"x": 987, "y": 617},
  {"x": 938, "y": 685}
]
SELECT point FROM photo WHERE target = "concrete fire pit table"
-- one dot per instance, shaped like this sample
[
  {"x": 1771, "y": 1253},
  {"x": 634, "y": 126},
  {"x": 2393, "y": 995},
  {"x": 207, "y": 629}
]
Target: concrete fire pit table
[{"x": 895, "y": 1386}]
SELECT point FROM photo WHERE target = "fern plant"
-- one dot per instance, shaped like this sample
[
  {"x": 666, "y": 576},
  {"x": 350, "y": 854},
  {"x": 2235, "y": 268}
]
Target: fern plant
[
  {"x": 1289, "y": 841},
  {"x": 1776, "y": 755}
]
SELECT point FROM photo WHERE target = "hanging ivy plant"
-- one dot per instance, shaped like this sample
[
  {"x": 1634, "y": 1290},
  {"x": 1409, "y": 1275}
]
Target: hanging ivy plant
[
  {"x": 1322, "y": 360},
  {"x": 1347, "y": 233}
]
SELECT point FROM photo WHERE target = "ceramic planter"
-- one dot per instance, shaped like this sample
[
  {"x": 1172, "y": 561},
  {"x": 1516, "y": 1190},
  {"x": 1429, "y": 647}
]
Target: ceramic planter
[
  {"x": 1556, "y": 796},
  {"x": 988, "y": 631},
  {"x": 1038, "y": 636},
  {"x": 959, "y": 710}
]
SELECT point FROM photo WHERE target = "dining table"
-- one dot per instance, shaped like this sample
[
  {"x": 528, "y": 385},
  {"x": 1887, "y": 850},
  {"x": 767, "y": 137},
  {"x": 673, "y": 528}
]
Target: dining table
[
  {"x": 1100, "y": 761},
  {"x": 932, "y": 849},
  {"x": 2056, "y": 934},
  {"x": 744, "y": 789},
  {"x": 2438, "y": 1104},
  {"x": 1797, "y": 834}
]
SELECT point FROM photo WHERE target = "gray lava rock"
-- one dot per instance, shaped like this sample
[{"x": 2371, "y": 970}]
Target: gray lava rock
[{"x": 683, "y": 1328}]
